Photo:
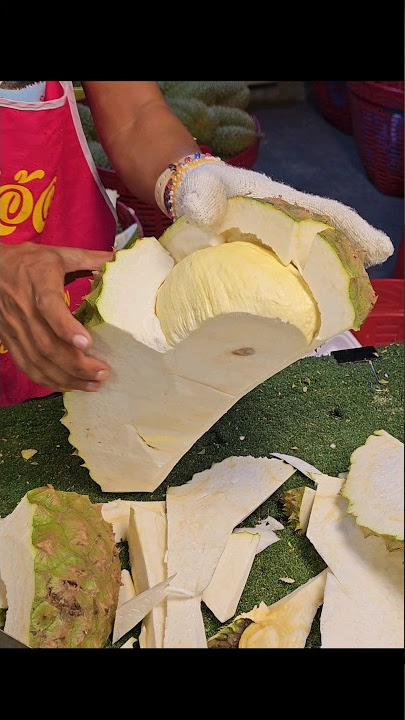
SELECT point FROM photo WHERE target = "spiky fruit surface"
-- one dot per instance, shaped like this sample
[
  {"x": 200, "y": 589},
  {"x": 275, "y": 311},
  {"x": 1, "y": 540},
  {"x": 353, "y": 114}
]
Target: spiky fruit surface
[
  {"x": 61, "y": 568},
  {"x": 98, "y": 154},
  {"x": 226, "y": 115},
  {"x": 297, "y": 504},
  {"x": 234, "y": 93},
  {"x": 86, "y": 119},
  {"x": 228, "y": 637},
  {"x": 196, "y": 116},
  {"x": 375, "y": 490},
  {"x": 229, "y": 140}
]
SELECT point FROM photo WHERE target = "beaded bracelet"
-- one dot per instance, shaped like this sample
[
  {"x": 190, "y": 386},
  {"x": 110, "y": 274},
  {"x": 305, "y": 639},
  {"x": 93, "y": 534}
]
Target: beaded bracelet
[{"x": 169, "y": 181}]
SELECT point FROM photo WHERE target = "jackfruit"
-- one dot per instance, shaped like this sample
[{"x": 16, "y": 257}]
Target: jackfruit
[
  {"x": 234, "y": 93},
  {"x": 60, "y": 566},
  {"x": 375, "y": 488},
  {"x": 195, "y": 116},
  {"x": 186, "y": 341},
  {"x": 86, "y": 119},
  {"x": 233, "y": 116},
  {"x": 98, "y": 154},
  {"x": 364, "y": 594},
  {"x": 229, "y": 140}
]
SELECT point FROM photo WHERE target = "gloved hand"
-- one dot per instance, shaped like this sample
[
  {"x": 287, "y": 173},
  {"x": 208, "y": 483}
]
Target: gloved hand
[{"x": 202, "y": 193}]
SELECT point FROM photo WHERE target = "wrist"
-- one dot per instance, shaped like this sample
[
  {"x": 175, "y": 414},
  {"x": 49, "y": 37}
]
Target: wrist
[{"x": 168, "y": 182}]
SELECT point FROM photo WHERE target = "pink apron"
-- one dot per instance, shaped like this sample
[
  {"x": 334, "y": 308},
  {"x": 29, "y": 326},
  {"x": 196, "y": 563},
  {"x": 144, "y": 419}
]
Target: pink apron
[{"x": 51, "y": 194}]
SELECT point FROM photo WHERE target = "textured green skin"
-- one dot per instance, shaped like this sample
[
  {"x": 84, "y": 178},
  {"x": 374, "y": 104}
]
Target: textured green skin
[
  {"x": 98, "y": 154},
  {"x": 292, "y": 500},
  {"x": 233, "y": 93},
  {"x": 228, "y": 636},
  {"x": 343, "y": 405},
  {"x": 197, "y": 117},
  {"x": 229, "y": 140},
  {"x": 77, "y": 572},
  {"x": 233, "y": 116},
  {"x": 361, "y": 293},
  {"x": 86, "y": 119}
]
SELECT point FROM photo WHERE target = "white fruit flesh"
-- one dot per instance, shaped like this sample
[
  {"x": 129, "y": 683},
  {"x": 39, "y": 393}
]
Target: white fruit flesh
[
  {"x": 332, "y": 294},
  {"x": 375, "y": 485},
  {"x": 233, "y": 278},
  {"x": 290, "y": 238},
  {"x": 265, "y": 528},
  {"x": 364, "y": 608},
  {"x": 184, "y": 623},
  {"x": 305, "y": 508},
  {"x": 17, "y": 568},
  {"x": 227, "y": 584},
  {"x": 116, "y": 512},
  {"x": 198, "y": 533},
  {"x": 232, "y": 316},
  {"x": 127, "y": 590},
  {"x": 147, "y": 543},
  {"x": 286, "y": 623}
]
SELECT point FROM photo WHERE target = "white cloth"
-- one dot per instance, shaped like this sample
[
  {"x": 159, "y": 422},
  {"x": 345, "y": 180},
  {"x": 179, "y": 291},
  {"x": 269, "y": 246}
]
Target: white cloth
[{"x": 203, "y": 191}]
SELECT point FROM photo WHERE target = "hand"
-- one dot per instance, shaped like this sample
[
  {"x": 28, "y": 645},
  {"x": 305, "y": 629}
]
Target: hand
[
  {"x": 46, "y": 342},
  {"x": 203, "y": 191}
]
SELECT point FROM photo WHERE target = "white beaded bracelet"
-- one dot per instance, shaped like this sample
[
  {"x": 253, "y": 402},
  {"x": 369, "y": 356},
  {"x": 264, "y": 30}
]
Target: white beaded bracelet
[{"x": 168, "y": 182}]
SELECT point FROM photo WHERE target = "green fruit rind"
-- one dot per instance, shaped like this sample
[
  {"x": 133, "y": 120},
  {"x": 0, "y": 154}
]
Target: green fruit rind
[
  {"x": 374, "y": 488},
  {"x": 360, "y": 290},
  {"x": 77, "y": 571},
  {"x": 229, "y": 635},
  {"x": 291, "y": 500}
]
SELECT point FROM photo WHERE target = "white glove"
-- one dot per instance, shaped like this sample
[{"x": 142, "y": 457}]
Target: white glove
[{"x": 202, "y": 193}]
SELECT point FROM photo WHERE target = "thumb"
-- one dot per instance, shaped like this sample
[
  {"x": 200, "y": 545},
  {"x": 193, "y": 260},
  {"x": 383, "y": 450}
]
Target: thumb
[
  {"x": 201, "y": 199},
  {"x": 74, "y": 259}
]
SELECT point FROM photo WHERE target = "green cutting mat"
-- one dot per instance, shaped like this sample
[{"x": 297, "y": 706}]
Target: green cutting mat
[{"x": 316, "y": 409}]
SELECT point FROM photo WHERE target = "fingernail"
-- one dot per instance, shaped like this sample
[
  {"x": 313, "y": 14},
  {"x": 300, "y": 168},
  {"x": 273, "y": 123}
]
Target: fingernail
[
  {"x": 93, "y": 386},
  {"x": 81, "y": 341},
  {"x": 102, "y": 375}
]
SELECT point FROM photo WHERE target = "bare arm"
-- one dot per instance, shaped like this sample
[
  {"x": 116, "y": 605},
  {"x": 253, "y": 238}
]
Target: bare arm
[{"x": 139, "y": 133}]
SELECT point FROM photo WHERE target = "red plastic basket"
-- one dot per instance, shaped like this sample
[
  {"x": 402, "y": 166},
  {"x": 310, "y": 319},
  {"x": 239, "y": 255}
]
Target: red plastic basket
[
  {"x": 385, "y": 323},
  {"x": 333, "y": 101},
  {"x": 378, "y": 126}
]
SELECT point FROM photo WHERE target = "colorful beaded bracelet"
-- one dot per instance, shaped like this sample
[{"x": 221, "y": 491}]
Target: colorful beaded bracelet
[{"x": 169, "y": 181}]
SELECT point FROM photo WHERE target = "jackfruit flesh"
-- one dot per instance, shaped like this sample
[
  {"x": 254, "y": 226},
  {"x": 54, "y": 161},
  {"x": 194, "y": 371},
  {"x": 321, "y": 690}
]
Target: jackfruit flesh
[{"x": 233, "y": 278}]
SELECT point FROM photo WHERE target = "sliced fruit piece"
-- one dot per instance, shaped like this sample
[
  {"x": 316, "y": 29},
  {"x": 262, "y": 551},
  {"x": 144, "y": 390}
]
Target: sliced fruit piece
[
  {"x": 286, "y": 623},
  {"x": 184, "y": 623},
  {"x": 147, "y": 543},
  {"x": 364, "y": 607},
  {"x": 265, "y": 528},
  {"x": 207, "y": 277},
  {"x": 198, "y": 532},
  {"x": 187, "y": 342},
  {"x": 127, "y": 590},
  {"x": 133, "y": 611},
  {"x": 224, "y": 591},
  {"x": 61, "y": 569},
  {"x": 374, "y": 487},
  {"x": 287, "y": 229},
  {"x": 297, "y": 505}
]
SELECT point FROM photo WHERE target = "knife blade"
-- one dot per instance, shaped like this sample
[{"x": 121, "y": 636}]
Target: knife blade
[{"x": 6, "y": 641}]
